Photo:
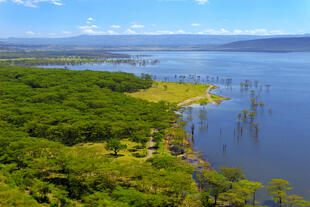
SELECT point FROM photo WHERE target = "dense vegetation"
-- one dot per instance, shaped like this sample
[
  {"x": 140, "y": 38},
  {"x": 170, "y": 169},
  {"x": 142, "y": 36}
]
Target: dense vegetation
[
  {"x": 71, "y": 57},
  {"x": 83, "y": 54},
  {"x": 66, "y": 108},
  {"x": 72, "y": 61},
  {"x": 47, "y": 115},
  {"x": 73, "y": 107}
]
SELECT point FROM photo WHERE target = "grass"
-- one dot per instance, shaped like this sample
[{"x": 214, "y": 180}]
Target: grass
[
  {"x": 133, "y": 151},
  {"x": 174, "y": 92}
]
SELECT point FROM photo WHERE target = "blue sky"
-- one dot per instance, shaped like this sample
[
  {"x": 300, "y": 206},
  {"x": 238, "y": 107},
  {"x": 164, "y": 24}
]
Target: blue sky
[{"x": 59, "y": 18}]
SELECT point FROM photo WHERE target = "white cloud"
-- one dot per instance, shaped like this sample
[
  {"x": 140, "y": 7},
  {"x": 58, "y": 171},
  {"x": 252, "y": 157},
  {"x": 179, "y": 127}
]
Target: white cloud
[
  {"x": 89, "y": 20},
  {"x": 195, "y": 25},
  {"x": 115, "y": 26},
  {"x": 34, "y": 3},
  {"x": 130, "y": 31},
  {"x": 163, "y": 32},
  {"x": 242, "y": 32},
  {"x": 277, "y": 32},
  {"x": 201, "y": 2},
  {"x": 159, "y": 32},
  {"x": 215, "y": 32},
  {"x": 88, "y": 27},
  {"x": 181, "y": 32},
  {"x": 30, "y": 33},
  {"x": 66, "y": 32},
  {"x": 137, "y": 26},
  {"x": 94, "y": 30}
]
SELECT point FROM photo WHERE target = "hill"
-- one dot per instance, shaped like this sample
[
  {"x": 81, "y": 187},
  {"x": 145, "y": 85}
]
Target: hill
[
  {"x": 285, "y": 44},
  {"x": 245, "y": 43},
  {"x": 135, "y": 40}
]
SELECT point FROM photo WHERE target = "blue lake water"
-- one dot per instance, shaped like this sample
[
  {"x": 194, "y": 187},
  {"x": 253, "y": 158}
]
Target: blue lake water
[{"x": 281, "y": 149}]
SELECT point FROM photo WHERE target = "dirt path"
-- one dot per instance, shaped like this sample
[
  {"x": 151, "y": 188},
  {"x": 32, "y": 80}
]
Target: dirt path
[
  {"x": 150, "y": 149},
  {"x": 207, "y": 95}
]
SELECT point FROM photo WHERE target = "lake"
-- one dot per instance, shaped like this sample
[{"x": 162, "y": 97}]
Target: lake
[{"x": 280, "y": 148}]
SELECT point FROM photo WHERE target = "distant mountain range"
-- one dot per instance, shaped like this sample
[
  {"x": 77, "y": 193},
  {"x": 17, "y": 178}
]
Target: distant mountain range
[
  {"x": 283, "y": 44},
  {"x": 165, "y": 42},
  {"x": 135, "y": 40}
]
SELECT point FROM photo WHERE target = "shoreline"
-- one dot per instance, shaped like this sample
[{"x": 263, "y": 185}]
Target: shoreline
[
  {"x": 207, "y": 96},
  {"x": 193, "y": 157}
]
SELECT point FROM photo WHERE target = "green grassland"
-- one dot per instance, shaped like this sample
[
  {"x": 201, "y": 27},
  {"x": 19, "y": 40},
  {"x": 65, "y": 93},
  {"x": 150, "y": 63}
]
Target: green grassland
[
  {"x": 174, "y": 92},
  {"x": 134, "y": 151}
]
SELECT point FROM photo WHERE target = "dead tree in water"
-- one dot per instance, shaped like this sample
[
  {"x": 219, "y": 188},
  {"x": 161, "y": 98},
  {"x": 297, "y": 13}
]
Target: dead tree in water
[
  {"x": 224, "y": 147},
  {"x": 255, "y": 125},
  {"x": 193, "y": 131}
]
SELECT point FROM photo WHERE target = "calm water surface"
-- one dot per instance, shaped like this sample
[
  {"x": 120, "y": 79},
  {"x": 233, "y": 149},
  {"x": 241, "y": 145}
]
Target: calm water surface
[{"x": 282, "y": 147}]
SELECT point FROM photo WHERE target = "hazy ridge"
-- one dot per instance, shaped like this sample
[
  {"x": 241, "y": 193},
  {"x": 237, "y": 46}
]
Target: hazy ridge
[{"x": 247, "y": 43}]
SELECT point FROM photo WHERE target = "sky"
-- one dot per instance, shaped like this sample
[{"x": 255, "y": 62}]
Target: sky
[{"x": 62, "y": 18}]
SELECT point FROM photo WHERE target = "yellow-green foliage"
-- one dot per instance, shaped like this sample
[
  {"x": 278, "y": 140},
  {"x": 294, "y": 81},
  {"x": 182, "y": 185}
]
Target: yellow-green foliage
[{"x": 175, "y": 92}]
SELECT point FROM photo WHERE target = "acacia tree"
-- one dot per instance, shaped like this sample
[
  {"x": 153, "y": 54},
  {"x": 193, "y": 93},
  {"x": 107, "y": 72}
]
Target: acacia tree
[
  {"x": 232, "y": 174},
  {"x": 115, "y": 145},
  {"x": 241, "y": 192},
  {"x": 278, "y": 188},
  {"x": 295, "y": 200},
  {"x": 213, "y": 183}
]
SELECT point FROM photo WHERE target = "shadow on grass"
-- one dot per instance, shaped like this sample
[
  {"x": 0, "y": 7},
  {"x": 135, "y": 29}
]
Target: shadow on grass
[
  {"x": 137, "y": 147},
  {"x": 111, "y": 155},
  {"x": 138, "y": 155}
]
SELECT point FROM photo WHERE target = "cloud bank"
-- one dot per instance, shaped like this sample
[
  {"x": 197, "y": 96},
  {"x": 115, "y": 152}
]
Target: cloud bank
[{"x": 34, "y": 3}]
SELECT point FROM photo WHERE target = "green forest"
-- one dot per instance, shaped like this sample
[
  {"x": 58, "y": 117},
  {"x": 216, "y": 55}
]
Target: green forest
[{"x": 46, "y": 113}]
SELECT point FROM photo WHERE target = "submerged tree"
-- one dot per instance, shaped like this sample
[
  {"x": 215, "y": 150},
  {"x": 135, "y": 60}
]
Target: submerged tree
[
  {"x": 252, "y": 115},
  {"x": 245, "y": 113},
  {"x": 202, "y": 116}
]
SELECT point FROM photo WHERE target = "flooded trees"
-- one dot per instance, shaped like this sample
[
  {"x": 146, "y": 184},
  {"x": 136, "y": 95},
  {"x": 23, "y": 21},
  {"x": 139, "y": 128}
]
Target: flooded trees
[
  {"x": 193, "y": 131},
  {"x": 202, "y": 116},
  {"x": 252, "y": 115},
  {"x": 245, "y": 113}
]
